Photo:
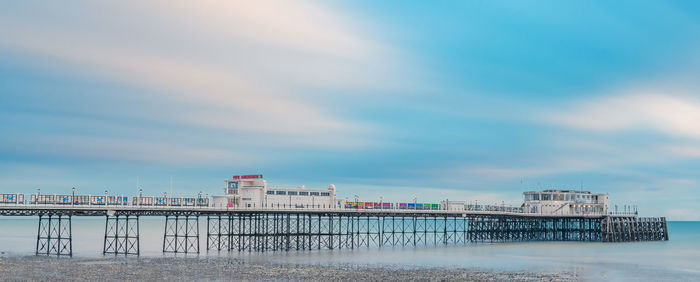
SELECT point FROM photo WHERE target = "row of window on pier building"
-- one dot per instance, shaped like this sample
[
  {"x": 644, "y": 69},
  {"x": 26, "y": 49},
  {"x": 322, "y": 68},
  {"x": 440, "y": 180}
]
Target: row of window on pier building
[
  {"x": 565, "y": 195},
  {"x": 298, "y": 193},
  {"x": 252, "y": 191},
  {"x": 565, "y": 202}
]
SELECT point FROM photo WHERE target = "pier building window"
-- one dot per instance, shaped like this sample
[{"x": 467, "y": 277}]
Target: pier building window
[
  {"x": 280, "y": 193},
  {"x": 292, "y": 193},
  {"x": 303, "y": 193},
  {"x": 314, "y": 193},
  {"x": 232, "y": 185},
  {"x": 270, "y": 192},
  {"x": 326, "y": 194}
]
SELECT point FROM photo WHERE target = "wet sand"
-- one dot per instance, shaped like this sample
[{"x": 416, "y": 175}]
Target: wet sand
[{"x": 229, "y": 269}]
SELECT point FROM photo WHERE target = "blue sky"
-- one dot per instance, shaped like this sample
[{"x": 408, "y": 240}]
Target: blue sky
[{"x": 464, "y": 100}]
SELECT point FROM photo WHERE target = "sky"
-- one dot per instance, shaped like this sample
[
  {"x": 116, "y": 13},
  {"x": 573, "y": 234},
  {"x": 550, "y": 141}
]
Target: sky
[{"x": 459, "y": 100}]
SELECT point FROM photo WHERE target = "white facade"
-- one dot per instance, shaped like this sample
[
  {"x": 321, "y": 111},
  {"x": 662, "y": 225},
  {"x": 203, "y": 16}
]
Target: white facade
[
  {"x": 565, "y": 202},
  {"x": 251, "y": 191},
  {"x": 452, "y": 205}
]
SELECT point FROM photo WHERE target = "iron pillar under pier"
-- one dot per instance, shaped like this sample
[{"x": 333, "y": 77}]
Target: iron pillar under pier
[
  {"x": 181, "y": 234},
  {"x": 121, "y": 235},
  {"x": 54, "y": 235}
]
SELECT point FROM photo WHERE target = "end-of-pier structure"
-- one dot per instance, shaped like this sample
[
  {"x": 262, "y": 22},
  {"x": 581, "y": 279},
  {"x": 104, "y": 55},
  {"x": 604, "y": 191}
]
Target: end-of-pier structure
[{"x": 283, "y": 229}]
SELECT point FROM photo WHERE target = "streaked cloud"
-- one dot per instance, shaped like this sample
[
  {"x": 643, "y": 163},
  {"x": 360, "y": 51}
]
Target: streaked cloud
[
  {"x": 259, "y": 85},
  {"x": 673, "y": 115},
  {"x": 75, "y": 147},
  {"x": 687, "y": 151},
  {"x": 305, "y": 26}
]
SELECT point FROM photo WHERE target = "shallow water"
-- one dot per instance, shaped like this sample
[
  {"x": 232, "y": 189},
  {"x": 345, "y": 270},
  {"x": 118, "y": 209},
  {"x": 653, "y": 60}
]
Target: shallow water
[{"x": 677, "y": 259}]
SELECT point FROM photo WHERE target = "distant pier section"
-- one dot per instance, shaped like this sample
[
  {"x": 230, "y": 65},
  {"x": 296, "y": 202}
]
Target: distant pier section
[{"x": 250, "y": 216}]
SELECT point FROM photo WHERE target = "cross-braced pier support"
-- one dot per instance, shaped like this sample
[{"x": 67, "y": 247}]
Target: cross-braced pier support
[
  {"x": 218, "y": 233},
  {"x": 307, "y": 231},
  {"x": 54, "y": 236},
  {"x": 518, "y": 229},
  {"x": 121, "y": 235},
  {"x": 621, "y": 229},
  {"x": 181, "y": 234}
]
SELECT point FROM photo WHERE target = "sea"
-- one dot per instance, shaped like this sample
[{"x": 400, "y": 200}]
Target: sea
[{"x": 675, "y": 260}]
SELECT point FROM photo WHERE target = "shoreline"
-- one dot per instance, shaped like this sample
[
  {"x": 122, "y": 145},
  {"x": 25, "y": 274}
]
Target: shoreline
[{"x": 233, "y": 269}]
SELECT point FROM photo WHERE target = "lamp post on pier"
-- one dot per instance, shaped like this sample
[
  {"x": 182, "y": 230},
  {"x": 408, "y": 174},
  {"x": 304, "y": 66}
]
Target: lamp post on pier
[
  {"x": 72, "y": 198},
  {"x": 140, "y": 196}
]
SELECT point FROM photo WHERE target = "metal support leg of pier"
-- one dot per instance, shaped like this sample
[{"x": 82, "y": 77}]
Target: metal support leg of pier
[
  {"x": 308, "y": 231},
  {"x": 219, "y": 233},
  {"x": 54, "y": 235},
  {"x": 181, "y": 234},
  {"x": 121, "y": 235}
]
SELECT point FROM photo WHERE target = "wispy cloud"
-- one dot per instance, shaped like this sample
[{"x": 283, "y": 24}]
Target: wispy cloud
[
  {"x": 598, "y": 136},
  {"x": 303, "y": 25},
  {"x": 687, "y": 151},
  {"x": 221, "y": 88},
  {"x": 673, "y": 115},
  {"x": 76, "y": 147}
]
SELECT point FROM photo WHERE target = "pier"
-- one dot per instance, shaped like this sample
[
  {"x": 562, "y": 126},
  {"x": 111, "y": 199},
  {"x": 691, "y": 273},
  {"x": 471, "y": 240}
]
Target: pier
[{"x": 285, "y": 229}]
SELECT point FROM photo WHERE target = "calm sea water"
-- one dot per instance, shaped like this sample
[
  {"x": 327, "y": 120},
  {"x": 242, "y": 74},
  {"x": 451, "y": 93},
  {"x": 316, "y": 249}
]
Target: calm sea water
[{"x": 677, "y": 259}]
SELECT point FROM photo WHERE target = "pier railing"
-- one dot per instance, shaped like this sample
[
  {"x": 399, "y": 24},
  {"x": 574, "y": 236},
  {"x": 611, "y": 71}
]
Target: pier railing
[
  {"x": 495, "y": 209},
  {"x": 130, "y": 210}
]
